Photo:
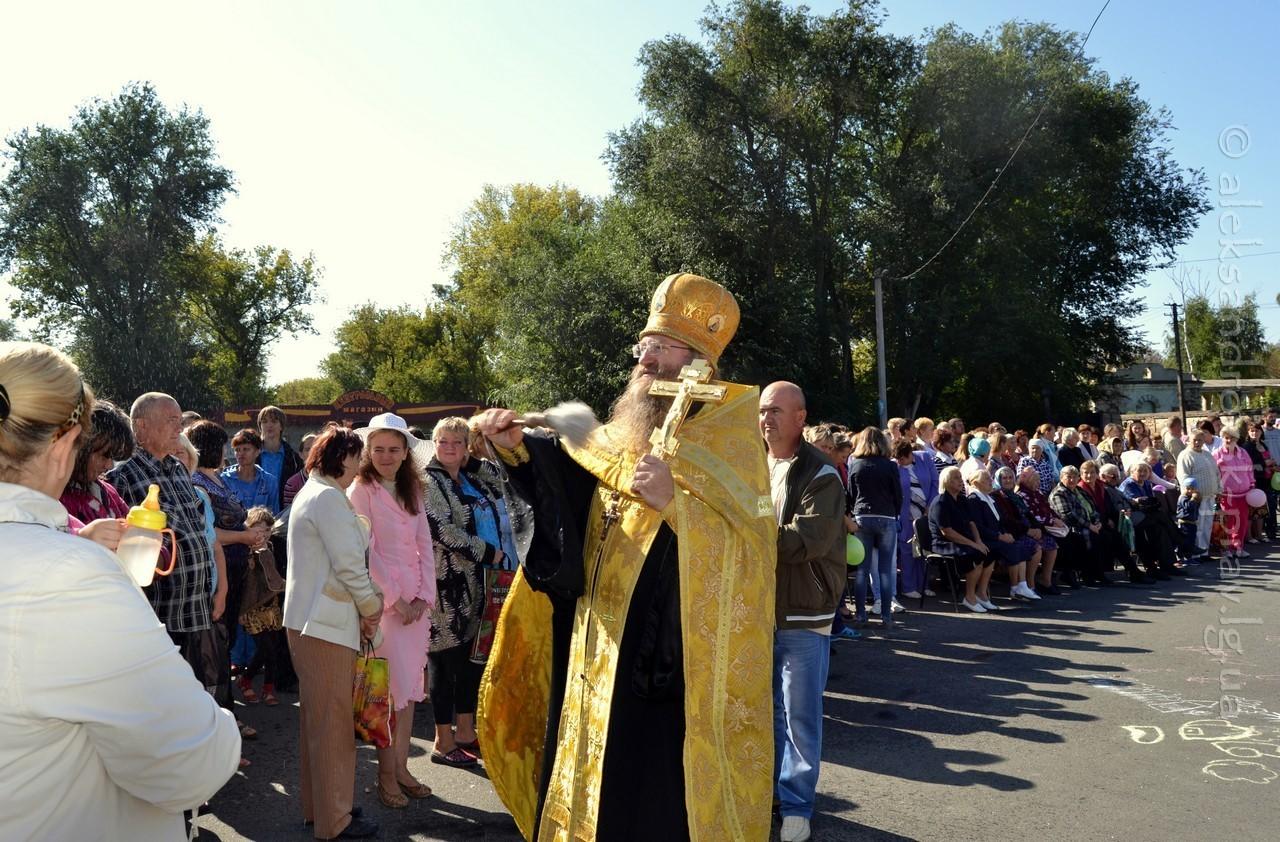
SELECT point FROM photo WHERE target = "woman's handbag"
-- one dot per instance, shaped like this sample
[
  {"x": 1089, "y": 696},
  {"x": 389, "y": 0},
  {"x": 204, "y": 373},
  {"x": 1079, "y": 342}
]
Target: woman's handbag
[
  {"x": 371, "y": 699},
  {"x": 1058, "y": 531},
  {"x": 497, "y": 584},
  {"x": 262, "y": 581}
]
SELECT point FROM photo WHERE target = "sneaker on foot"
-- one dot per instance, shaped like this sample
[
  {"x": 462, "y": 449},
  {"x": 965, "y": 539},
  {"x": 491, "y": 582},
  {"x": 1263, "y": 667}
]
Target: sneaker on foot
[
  {"x": 794, "y": 829},
  {"x": 875, "y": 607},
  {"x": 896, "y": 607},
  {"x": 975, "y": 607},
  {"x": 988, "y": 604},
  {"x": 911, "y": 595},
  {"x": 1024, "y": 590},
  {"x": 928, "y": 592}
]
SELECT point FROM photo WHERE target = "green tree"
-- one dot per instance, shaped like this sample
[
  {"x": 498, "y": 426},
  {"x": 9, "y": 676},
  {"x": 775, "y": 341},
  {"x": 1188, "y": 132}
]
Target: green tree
[
  {"x": 1272, "y": 367},
  {"x": 240, "y": 304},
  {"x": 1036, "y": 293},
  {"x": 9, "y": 331},
  {"x": 752, "y": 161},
  {"x": 554, "y": 285},
  {"x": 1222, "y": 340},
  {"x": 794, "y": 156},
  {"x": 408, "y": 355},
  {"x": 308, "y": 390},
  {"x": 93, "y": 218}
]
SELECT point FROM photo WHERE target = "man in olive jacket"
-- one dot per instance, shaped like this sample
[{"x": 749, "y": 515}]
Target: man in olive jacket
[{"x": 809, "y": 500}]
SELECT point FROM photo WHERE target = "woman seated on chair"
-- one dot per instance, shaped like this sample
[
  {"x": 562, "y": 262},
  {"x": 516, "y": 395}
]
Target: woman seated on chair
[
  {"x": 1048, "y": 523},
  {"x": 1015, "y": 518},
  {"x": 1010, "y": 550},
  {"x": 956, "y": 536},
  {"x": 1081, "y": 546}
]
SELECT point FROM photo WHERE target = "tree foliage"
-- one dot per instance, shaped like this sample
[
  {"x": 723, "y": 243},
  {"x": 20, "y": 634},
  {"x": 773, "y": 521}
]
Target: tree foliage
[
  {"x": 550, "y": 279},
  {"x": 409, "y": 355},
  {"x": 94, "y": 218},
  {"x": 1224, "y": 340},
  {"x": 109, "y": 224},
  {"x": 752, "y": 161},
  {"x": 1050, "y": 266},
  {"x": 240, "y": 304},
  {"x": 307, "y": 390},
  {"x": 792, "y": 156}
]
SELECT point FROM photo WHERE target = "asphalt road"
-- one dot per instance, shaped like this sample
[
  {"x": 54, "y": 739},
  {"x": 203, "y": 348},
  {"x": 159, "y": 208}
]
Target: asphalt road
[{"x": 1096, "y": 715}]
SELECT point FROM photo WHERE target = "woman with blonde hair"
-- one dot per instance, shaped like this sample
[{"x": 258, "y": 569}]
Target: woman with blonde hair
[
  {"x": 875, "y": 488},
  {"x": 101, "y": 720},
  {"x": 925, "y": 428},
  {"x": 895, "y": 430},
  {"x": 466, "y": 528}
]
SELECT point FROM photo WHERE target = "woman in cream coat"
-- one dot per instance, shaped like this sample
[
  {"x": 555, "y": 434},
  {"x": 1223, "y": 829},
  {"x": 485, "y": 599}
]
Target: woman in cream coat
[
  {"x": 105, "y": 735},
  {"x": 330, "y": 603}
]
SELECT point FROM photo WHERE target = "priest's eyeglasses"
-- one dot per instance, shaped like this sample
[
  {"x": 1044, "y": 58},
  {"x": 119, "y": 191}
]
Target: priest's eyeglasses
[{"x": 652, "y": 346}]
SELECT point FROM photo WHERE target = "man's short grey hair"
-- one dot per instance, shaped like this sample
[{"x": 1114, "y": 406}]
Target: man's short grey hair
[
  {"x": 146, "y": 404},
  {"x": 1109, "y": 470}
]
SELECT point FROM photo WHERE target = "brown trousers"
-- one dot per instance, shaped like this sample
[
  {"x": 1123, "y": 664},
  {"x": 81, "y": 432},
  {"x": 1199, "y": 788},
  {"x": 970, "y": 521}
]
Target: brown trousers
[{"x": 328, "y": 739}]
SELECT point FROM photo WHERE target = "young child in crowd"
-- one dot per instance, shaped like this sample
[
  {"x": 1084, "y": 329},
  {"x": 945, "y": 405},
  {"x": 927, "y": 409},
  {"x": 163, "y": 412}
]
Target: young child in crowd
[
  {"x": 260, "y": 610},
  {"x": 1189, "y": 520}
]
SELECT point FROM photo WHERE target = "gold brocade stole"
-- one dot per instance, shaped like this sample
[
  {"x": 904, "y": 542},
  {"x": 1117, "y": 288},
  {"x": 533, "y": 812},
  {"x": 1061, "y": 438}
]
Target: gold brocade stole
[
  {"x": 724, "y": 521},
  {"x": 612, "y": 569}
]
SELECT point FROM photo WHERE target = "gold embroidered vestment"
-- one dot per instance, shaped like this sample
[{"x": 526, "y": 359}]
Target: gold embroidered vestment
[{"x": 727, "y": 539}]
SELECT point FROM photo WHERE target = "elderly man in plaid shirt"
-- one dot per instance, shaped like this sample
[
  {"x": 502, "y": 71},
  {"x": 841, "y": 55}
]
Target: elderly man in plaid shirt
[{"x": 182, "y": 599}]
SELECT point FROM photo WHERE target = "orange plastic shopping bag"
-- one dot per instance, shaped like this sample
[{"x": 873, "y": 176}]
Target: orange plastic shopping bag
[{"x": 371, "y": 700}]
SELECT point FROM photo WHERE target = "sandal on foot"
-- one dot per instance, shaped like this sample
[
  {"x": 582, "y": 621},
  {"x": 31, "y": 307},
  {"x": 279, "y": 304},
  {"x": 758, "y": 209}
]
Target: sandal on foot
[
  {"x": 416, "y": 790},
  {"x": 269, "y": 699},
  {"x": 247, "y": 692},
  {"x": 394, "y": 800},
  {"x": 458, "y": 758},
  {"x": 472, "y": 748},
  {"x": 247, "y": 732},
  {"x": 244, "y": 762}
]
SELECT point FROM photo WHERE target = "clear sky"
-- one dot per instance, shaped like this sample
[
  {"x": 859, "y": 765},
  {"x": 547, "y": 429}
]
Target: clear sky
[{"x": 362, "y": 131}]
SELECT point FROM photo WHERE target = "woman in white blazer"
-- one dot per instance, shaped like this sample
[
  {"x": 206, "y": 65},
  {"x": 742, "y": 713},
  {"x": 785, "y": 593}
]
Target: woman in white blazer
[
  {"x": 330, "y": 603},
  {"x": 105, "y": 735}
]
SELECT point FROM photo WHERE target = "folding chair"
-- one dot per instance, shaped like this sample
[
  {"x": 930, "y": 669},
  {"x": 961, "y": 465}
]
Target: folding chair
[{"x": 924, "y": 538}]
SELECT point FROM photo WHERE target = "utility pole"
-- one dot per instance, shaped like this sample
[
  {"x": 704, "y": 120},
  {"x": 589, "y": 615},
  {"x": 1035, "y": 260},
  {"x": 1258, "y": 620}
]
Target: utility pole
[
  {"x": 882, "y": 402},
  {"x": 1177, "y": 355}
]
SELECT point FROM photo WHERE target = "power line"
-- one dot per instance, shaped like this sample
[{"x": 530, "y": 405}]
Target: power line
[
  {"x": 1012, "y": 155},
  {"x": 1213, "y": 259}
]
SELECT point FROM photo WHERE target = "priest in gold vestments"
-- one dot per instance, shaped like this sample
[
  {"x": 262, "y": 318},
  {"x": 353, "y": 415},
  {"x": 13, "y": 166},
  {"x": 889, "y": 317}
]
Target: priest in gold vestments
[{"x": 628, "y": 694}]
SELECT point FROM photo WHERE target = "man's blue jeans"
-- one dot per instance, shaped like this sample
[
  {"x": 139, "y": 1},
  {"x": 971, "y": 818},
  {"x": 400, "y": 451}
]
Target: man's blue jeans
[
  {"x": 879, "y": 536},
  {"x": 800, "y": 661}
]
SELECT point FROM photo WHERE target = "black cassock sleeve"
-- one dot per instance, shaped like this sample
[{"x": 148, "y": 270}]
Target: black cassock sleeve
[{"x": 559, "y": 491}]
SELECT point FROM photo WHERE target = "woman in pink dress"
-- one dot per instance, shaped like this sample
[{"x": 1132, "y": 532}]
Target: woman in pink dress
[
  {"x": 1236, "y": 467},
  {"x": 388, "y": 491}
]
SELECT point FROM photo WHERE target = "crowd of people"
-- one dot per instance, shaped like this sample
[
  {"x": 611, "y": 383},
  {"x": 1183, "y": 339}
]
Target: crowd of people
[
  {"x": 288, "y": 564},
  {"x": 1057, "y": 508},
  {"x": 282, "y": 564}
]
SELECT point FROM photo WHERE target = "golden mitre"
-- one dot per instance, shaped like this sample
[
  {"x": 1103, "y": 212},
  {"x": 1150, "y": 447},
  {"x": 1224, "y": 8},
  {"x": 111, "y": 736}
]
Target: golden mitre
[{"x": 696, "y": 311}]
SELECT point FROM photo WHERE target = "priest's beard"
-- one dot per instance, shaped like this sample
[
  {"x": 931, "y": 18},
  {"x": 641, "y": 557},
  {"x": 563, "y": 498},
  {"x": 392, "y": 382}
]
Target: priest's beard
[{"x": 636, "y": 413}]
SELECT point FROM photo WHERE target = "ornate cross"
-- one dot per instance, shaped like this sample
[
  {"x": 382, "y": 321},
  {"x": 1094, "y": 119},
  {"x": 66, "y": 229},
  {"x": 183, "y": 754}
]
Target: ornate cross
[{"x": 692, "y": 386}]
